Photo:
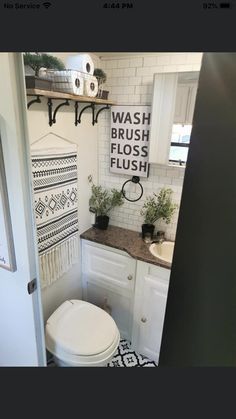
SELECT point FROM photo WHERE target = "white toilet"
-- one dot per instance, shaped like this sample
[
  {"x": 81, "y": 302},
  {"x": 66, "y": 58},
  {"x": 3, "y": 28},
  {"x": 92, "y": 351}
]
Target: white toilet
[{"x": 80, "y": 334}]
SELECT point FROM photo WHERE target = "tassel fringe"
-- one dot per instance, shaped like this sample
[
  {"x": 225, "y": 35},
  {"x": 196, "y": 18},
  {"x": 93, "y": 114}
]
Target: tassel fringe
[{"x": 58, "y": 261}]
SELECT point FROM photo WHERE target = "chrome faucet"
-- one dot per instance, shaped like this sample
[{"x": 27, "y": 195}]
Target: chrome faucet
[{"x": 160, "y": 238}]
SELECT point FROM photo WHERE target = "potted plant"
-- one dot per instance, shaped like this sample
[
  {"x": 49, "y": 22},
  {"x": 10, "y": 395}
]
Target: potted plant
[
  {"x": 35, "y": 62},
  {"x": 102, "y": 202},
  {"x": 158, "y": 206},
  {"x": 101, "y": 78}
]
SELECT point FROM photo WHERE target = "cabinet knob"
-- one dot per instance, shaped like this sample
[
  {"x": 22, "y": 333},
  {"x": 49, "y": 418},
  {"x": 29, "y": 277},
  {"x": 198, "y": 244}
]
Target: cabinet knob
[
  {"x": 130, "y": 277},
  {"x": 143, "y": 319}
]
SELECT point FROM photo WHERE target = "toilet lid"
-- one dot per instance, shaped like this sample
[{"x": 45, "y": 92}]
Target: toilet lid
[{"x": 80, "y": 328}]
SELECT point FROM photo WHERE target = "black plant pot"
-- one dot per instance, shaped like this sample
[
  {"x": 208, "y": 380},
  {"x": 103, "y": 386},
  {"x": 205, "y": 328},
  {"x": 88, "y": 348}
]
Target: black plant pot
[
  {"x": 147, "y": 228},
  {"x": 101, "y": 222},
  {"x": 102, "y": 94}
]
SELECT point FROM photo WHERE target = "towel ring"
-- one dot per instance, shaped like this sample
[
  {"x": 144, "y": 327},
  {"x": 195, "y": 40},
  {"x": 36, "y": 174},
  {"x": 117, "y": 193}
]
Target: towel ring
[{"x": 135, "y": 179}]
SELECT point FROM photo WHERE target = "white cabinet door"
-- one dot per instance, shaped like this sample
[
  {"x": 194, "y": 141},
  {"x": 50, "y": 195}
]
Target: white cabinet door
[
  {"x": 181, "y": 103},
  {"x": 109, "y": 274},
  {"x": 108, "y": 265},
  {"x": 191, "y": 104},
  {"x": 149, "y": 309},
  {"x": 120, "y": 304},
  {"x": 163, "y": 106},
  {"x": 185, "y": 103}
]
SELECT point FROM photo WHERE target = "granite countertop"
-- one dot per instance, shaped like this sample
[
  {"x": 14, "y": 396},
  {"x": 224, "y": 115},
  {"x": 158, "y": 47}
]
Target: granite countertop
[{"x": 126, "y": 240}]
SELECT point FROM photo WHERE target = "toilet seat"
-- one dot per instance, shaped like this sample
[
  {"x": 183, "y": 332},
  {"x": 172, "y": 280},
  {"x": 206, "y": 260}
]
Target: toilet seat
[{"x": 79, "y": 333}]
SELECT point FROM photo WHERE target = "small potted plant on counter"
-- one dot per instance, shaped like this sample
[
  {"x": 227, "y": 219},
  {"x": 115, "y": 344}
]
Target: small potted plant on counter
[
  {"x": 102, "y": 202},
  {"x": 158, "y": 206}
]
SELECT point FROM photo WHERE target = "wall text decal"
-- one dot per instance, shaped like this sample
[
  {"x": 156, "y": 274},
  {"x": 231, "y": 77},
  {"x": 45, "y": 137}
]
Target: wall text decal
[{"x": 130, "y": 131}]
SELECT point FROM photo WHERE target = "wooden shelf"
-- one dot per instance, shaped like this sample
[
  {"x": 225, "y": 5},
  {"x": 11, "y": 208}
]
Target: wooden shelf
[
  {"x": 59, "y": 95},
  {"x": 65, "y": 97}
]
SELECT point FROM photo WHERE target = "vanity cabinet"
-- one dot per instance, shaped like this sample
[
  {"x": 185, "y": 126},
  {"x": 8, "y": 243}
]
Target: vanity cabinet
[
  {"x": 108, "y": 277},
  {"x": 135, "y": 291},
  {"x": 185, "y": 103},
  {"x": 149, "y": 309}
]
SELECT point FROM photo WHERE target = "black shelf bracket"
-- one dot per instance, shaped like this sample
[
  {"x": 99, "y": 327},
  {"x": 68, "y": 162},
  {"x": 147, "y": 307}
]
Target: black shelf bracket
[
  {"x": 76, "y": 113},
  {"x": 98, "y": 112},
  {"x": 37, "y": 100},
  {"x": 94, "y": 114},
  {"x": 78, "y": 118},
  {"x": 66, "y": 103},
  {"x": 52, "y": 114}
]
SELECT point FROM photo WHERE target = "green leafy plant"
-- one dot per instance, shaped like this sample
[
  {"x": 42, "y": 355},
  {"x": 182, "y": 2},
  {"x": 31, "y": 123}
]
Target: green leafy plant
[
  {"x": 102, "y": 200},
  {"x": 158, "y": 206},
  {"x": 36, "y": 61},
  {"x": 101, "y": 76}
]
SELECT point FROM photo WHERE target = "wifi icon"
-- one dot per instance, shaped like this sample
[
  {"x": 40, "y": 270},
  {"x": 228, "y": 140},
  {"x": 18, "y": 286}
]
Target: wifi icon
[{"x": 47, "y": 4}]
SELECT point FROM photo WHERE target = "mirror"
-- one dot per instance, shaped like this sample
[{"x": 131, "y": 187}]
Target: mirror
[{"x": 173, "y": 103}]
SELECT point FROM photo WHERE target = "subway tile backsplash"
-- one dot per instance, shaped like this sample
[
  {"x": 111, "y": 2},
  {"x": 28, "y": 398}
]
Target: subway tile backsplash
[{"x": 129, "y": 81}]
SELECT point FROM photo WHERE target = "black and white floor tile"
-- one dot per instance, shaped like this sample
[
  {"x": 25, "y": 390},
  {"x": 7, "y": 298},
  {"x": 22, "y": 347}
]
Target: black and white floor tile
[{"x": 125, "y": 356}]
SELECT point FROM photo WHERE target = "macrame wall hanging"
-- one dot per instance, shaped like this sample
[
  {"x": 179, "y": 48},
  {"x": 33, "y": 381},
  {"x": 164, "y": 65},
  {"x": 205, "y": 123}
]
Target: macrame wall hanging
[{"x": 54, "y": 173}]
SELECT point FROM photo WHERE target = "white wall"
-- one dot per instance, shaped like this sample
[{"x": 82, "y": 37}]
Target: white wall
[
  {"x": 85, "y": 136},
  {"x": 129, "y": 80}
]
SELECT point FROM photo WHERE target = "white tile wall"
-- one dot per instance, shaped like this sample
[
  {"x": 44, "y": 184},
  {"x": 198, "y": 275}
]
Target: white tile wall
[{"x": 129, "y": 81}]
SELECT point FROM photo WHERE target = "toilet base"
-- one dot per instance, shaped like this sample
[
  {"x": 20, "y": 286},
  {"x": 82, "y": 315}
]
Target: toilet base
[
  {"x": 61, "y": 363},
  {"x": 90, "y": 362}
]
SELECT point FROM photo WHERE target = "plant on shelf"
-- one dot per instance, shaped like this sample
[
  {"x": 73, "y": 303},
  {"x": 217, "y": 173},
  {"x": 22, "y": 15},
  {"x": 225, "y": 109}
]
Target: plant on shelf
[
  {"x": 101, "y": 78},
  {"x": 156, "y": 207},
  {"x": 101, "y": 75},
  {"x": 101, "y": 202},
  {"x": 37, "y": 61}
]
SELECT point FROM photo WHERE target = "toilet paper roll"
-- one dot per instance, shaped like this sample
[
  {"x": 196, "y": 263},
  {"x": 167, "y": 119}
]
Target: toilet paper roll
[
  {"x": 80, "y": 62},
  {"x": 68, "y": 81},
  {"x": 91, "y": 86}
]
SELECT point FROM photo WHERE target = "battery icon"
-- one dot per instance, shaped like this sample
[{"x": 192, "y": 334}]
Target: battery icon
[{"x": 225, "y": 5}]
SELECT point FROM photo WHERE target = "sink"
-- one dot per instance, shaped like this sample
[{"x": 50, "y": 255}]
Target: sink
[{"x": 163, "y": 251}]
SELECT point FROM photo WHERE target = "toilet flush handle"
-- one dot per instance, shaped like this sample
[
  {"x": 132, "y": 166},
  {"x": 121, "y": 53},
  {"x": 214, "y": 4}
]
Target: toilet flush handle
[{"x": 130, "y": 277}]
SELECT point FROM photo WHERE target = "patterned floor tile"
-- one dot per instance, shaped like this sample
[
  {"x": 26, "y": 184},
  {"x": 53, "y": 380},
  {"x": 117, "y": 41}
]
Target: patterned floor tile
[{"x": 125, "y": 356}]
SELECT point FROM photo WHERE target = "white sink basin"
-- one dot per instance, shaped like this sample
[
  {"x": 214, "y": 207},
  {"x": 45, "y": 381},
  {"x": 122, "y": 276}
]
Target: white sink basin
[{"x": 163, "y": 251}]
